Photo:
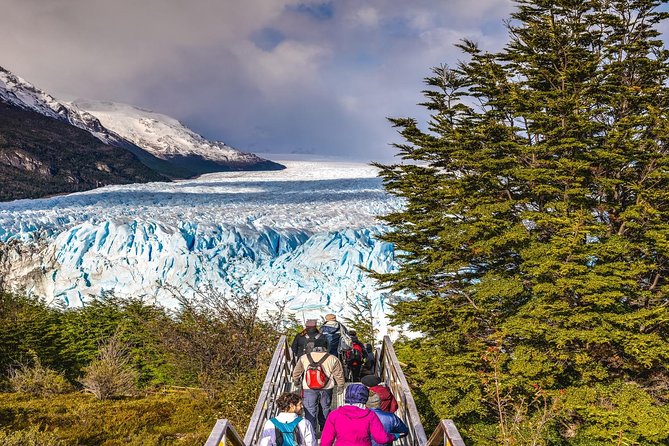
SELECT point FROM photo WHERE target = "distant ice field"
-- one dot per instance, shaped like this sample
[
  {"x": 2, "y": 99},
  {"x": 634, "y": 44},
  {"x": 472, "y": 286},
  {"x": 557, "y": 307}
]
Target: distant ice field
[
  {"x": 312, "y": 196},
  {"x": 297, "y": 237}
]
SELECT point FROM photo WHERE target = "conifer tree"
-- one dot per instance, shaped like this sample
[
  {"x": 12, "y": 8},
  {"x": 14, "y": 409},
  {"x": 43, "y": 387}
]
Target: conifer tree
[
  {"x": 362, "y": 319},
  {"x": 535, "y": 235}
]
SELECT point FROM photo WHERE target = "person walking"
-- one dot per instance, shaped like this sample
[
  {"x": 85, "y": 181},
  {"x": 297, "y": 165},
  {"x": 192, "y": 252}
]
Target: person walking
[
  {"x": 319, "y": 373},
  {"x": 353, "y": 424},
  {"x": 388, "y": 401},
  {"x": 333, "y": 329},
  {"x": 355, "y": 357},
  {"x": 392, "y": 424},
  {"x": 304, "y": 342},
  {"x": 369, "y": 368},
  {"x": 288, "y": 427}
]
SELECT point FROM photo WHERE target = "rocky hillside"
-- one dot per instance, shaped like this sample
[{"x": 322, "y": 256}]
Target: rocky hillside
[
  {"x": 42, "y": 156},
  {"x": 160, "y": 142}
]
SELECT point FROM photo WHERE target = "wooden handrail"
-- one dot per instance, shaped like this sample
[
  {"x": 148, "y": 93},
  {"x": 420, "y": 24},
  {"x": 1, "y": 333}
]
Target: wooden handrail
[
  {"x": 446, "y": 434},
  {"x": 391, "y": 373},
  {"x": 277, "y": 381},
  {"x": 224, "y": 434}
]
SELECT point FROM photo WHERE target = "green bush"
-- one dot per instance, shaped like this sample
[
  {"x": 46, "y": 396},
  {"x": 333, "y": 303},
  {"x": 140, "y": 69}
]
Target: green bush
[
  {"x": 155, "y": 419},
  {"x": 29, "y": 437}
]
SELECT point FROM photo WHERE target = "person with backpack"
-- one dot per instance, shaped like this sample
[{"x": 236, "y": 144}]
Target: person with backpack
[
  {"x": 353, "y": 424},
  {"x": 355, "y": 357},
  {"x": 288, "y": 428},
  {"x": 304, "y": 342},
  {"x": 392, "y": 424},
  {"x": 388, "y": 401},
  {"x": 318, "y": 372},
  {"x": 369, "y": 367},
  {"x": 333, "y": 330}
]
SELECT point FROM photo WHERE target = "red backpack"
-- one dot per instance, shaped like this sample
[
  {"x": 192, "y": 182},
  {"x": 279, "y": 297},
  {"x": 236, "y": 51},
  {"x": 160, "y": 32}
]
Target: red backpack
[
  {"x": 355, "y": 356},
  {"x": 315, "y": 376}
]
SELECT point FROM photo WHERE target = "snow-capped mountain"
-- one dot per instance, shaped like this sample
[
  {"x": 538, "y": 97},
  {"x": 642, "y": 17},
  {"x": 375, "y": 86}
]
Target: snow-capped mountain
[
  {"x": 296, "y": 235},
  {"x": 168, "y": 139},
  {"x": 158, "y": 141},
  {"x": 20, "y": 93}
]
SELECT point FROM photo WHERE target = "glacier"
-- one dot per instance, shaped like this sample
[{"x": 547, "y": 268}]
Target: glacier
[{"x": 296, "y": 237}]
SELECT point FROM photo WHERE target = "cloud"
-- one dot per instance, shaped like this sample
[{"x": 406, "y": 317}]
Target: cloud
[
  {"x": 265, "y": 75},
  {"x": 366, "y": 16}
]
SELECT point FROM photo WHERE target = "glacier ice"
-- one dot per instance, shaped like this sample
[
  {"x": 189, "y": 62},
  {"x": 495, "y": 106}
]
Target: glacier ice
[{"x": 296, "y": 236}]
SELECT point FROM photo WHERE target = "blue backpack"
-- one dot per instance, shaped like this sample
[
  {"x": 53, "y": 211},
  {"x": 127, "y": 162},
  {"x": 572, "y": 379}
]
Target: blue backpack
[{"x": 287, "y": 434}]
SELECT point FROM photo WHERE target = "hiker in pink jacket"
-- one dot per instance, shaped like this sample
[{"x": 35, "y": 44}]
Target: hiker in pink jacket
[{"x": 353, "y": 424}]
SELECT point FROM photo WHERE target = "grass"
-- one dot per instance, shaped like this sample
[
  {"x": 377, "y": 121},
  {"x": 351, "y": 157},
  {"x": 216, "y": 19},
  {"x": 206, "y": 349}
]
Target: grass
[{"x": 158, "y": 419}]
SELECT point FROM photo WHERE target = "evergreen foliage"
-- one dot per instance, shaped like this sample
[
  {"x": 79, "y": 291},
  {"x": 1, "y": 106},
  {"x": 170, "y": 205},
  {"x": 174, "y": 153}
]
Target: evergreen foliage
[
  {"x": 209, "y": 339},
  {"x": 362, "y": 319},
  {"x": 216, "y": 348},
  {"x": 536, "y": 234}
]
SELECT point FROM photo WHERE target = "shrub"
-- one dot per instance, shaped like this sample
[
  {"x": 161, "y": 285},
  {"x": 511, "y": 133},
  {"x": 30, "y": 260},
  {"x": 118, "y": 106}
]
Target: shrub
[
  {"x": 29, "y": 437},
  {"x": 110, "y": 375},
  {"x": 37, "y": 380}
]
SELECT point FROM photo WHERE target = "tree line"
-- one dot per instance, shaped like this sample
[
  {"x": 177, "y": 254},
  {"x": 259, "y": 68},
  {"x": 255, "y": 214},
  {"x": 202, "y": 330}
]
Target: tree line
[{"x": 207, "y": 342}]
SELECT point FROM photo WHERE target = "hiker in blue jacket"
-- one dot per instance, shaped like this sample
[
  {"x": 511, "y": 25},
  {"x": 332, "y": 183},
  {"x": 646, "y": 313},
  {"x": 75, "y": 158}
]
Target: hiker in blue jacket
[
  {"x": 332, "y": 330},
  {"x": 392, "y": 424},
  {"x": 288, "y": 428}
]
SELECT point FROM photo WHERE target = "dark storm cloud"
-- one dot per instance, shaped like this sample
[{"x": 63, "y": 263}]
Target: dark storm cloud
[{"x": 263, "y": 75}]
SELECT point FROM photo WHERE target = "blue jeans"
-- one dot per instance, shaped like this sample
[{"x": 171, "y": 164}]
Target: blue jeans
[{"x": 313, "y": 400}]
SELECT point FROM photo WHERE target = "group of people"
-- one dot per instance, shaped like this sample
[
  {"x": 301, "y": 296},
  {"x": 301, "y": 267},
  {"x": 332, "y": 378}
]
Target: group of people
[
  {"x": 323, "y": 358},
  {"x": 357, "y": 359}
]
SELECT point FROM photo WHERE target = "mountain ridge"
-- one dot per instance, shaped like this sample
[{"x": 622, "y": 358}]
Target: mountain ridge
[
  {"x": 169, "y": 139},
  {"x": 41, "y": 156},
  {"x": 185, "y": 162}
]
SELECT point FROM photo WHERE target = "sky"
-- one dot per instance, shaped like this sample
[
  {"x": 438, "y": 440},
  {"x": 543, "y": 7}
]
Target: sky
[{"x": 265, "y": 76}]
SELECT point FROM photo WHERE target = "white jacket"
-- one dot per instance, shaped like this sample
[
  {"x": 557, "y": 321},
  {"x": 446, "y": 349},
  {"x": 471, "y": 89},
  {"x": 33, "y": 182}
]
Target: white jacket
[{"x": 268, "y": 437}]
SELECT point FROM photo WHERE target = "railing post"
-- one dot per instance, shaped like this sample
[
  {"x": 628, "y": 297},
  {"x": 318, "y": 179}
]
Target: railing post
[
  {"x": 446, "y": 434},
  {"x": 222, "y": 432},
  {"x": 277, "y": 379},
  {"x": 391, "y": 372}
]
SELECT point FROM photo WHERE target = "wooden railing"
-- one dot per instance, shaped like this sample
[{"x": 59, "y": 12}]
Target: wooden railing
[
  {"x": 446, "y": 434},
  {"x": 277, "y": 381},
  {"x": 391, "y": 373},
  {"x": 224, "y": 435}
]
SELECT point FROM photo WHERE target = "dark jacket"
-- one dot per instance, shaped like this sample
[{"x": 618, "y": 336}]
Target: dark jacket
[
  {"x": 332, "y": 330},
  {"x": 300, "y": 342},
  {"x": 392, "y": 424}
]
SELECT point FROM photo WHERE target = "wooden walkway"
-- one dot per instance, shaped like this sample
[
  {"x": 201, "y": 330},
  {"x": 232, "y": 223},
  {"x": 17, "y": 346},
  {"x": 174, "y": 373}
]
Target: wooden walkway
[{"x": 279, "y": 380}]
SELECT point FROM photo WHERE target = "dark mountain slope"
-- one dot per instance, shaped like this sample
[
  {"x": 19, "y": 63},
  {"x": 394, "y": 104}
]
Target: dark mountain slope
[{"x": 42, "y": 156}]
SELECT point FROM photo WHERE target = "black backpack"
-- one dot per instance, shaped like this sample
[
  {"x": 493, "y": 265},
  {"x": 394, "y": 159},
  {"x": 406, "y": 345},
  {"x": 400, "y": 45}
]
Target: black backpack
[{"x": 311, "y": 342}]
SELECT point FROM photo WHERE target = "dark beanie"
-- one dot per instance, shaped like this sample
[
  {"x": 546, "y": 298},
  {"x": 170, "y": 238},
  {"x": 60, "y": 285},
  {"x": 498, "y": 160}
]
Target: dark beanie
[
  {"x": 371, "y": 380},
  {"x": 321, "y": 342},
  {"x": 356, "y": 394}
]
